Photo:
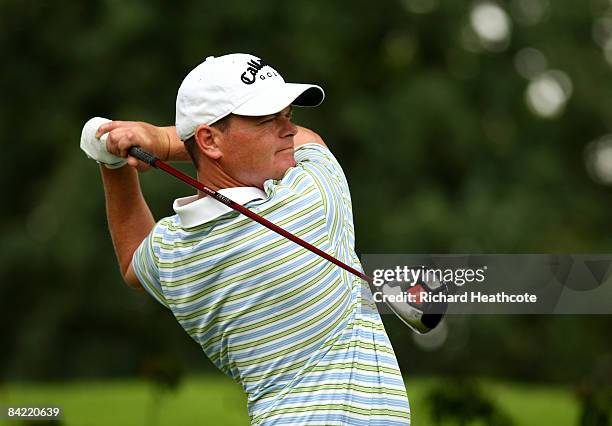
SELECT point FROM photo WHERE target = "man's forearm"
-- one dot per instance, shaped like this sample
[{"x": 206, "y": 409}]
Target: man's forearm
[
  {"x": 176, "y": 151},
  {"x": 129, "y": 217},
  {"x": 304, "y": 136}
]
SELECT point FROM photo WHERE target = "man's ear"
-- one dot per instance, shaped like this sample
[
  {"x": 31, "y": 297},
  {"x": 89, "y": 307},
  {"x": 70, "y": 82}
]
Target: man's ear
[{"x": 207, "y": 138}]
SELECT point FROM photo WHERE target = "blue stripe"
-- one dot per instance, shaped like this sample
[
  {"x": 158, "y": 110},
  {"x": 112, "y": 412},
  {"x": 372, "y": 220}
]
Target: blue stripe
[
  {"x": 346, "y": 419},
  {"x": 252, "y": 245},
  {"x": 203, "y": 283},
  {"x": 337, "y": 396},
  {"x": 278, "y": 290},
  {"x": 297, "y": 300}
]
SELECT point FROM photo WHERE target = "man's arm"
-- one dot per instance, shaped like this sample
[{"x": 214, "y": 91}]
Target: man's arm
[
  {"x": 163, "y": 142},
  {"x": 304, "y": 136},
  {"x": 177, "y": 151},
  {"x": 128, "y": 215}
]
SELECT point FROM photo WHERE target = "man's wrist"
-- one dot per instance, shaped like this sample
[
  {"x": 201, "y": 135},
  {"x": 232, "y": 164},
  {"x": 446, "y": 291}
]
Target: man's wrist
[
  {"x": 117, "y": 172},
  {"x": 113, "y": 166},
  {"x": 176, "y": 147},
  {"x": 168, "y": 144}
]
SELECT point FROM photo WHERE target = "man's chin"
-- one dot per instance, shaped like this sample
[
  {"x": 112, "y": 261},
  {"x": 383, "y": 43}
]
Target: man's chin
[{"x": 282, "y": 170}]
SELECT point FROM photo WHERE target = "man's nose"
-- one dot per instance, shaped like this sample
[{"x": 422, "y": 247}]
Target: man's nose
[{"x": 288, "y": 129}]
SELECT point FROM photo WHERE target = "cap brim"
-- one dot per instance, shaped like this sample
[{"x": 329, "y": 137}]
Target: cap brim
[{"x": 274, "y": 100}]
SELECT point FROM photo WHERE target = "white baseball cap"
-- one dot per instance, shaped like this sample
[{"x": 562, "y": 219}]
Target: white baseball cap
[{"x": 240, "y": 84}]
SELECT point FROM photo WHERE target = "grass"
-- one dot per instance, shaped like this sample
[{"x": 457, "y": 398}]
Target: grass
[
  {"x": 526, "y": 404},
  {"x": 216, "y": 400}
]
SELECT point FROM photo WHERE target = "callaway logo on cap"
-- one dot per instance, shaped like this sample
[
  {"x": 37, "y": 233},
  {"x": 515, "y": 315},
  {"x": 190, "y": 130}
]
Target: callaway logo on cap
[{"x": 240, "y": 84}]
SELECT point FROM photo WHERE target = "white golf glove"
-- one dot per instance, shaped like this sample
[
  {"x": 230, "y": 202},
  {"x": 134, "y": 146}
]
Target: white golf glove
[{"x": 96, "y": 148}]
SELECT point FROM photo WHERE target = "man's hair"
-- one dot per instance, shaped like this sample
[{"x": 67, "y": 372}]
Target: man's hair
[{"x": 192, "y": 146}]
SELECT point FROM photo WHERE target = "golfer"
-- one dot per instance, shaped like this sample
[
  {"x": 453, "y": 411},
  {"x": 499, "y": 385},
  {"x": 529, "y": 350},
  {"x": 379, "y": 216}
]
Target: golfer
[{"x": 299, "y": 334}]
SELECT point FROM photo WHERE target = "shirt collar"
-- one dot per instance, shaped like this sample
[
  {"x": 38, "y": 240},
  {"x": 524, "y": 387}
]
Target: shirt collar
[{"x": 193, "y": 211}]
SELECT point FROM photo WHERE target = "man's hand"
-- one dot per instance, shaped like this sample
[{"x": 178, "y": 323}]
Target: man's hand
[
  {"x": 123, "y": 135},
  {"x": 95, "y": 146}
]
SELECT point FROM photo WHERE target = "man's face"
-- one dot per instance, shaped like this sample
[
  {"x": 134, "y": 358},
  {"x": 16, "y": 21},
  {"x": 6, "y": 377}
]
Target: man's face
[{"x": 256, "y": 149}]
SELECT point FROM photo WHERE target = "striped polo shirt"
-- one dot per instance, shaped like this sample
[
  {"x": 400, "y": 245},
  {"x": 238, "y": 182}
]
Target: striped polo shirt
[{"x": 300, "y": 335}]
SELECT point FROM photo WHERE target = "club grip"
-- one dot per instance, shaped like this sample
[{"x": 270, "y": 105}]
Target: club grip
[{"x": 144, "y": 156}]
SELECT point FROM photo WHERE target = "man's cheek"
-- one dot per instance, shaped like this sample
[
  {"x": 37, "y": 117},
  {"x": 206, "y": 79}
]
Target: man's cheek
[{"x": 286, "y": 156}]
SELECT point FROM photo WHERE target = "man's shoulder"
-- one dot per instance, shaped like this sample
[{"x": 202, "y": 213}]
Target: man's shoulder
[
  {"x": 312, "y": 147},
  {"x": 166, "y": 225},
  {"x": 317, "y": 178},
  {"x": 318, "y": 159},
  {"x": 315, "y": 154}
]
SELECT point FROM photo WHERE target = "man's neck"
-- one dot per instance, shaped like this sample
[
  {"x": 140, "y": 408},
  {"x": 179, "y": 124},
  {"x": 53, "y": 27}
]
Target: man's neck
[{"x": 216, "y": 178}]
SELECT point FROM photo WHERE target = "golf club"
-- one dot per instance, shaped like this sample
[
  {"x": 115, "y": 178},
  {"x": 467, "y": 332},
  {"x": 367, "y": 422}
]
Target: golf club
[{"x": 420, "y": 317}]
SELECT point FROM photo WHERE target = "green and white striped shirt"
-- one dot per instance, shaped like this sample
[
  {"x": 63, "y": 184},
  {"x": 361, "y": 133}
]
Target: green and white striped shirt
[{"x": 299, "y": 334}]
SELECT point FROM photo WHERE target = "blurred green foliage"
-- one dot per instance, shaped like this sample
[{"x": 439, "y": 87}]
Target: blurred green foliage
[
  {"x": 441, "y": 152},
  {"x": 217, "y": 400}
]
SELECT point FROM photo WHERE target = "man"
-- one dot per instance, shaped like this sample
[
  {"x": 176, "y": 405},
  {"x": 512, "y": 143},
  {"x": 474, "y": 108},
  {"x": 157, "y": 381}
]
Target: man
[{"x": 301, "y": 335}]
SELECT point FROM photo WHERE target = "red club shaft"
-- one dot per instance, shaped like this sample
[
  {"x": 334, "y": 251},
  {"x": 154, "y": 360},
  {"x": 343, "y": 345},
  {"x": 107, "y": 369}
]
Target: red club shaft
[{"x": 156, "y": 162}]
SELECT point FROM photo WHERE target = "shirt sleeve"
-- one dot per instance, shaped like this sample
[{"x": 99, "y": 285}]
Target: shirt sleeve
[
  {"x": 327, "y": 174},
  {"x": 145, "y": 263}
]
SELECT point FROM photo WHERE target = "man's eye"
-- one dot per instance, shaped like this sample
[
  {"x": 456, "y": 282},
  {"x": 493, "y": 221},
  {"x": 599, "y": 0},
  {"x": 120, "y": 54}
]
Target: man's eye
[{"x": 267, "y": 120}]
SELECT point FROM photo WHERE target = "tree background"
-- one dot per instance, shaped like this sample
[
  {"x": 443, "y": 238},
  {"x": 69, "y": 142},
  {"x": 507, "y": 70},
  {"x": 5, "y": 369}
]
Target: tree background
[{"x": 457, "y": 136}]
